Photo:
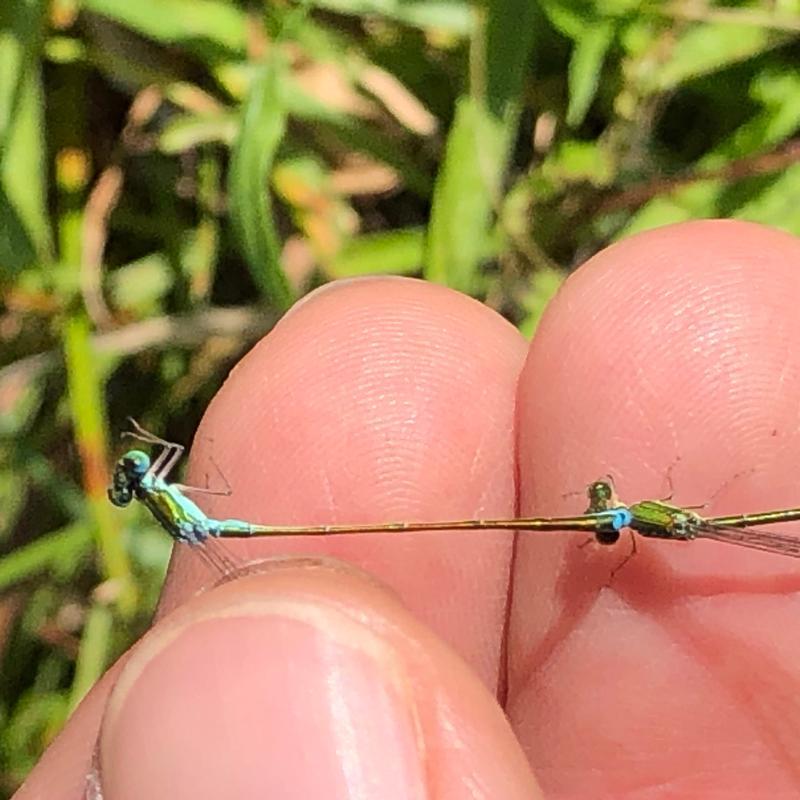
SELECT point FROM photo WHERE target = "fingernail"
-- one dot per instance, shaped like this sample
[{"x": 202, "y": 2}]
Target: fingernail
[{"x": 270, "y": 696}]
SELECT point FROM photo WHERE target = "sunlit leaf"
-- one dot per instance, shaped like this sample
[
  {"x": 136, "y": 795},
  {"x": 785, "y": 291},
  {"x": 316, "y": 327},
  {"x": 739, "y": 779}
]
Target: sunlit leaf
[
  {"x": 450, "y": 15},
  {"x": 585, "y": 67},
  {"x": 200, "y": 22},
  {"x": 24, "y": 223},
  {"x": 396, "y": 252},
  {"x": 262, "y": 129},
  {"x": 467, "y": 187}
]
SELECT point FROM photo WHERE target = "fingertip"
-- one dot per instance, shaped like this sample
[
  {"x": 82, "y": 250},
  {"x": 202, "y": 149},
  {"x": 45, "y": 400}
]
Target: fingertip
[
  {"x": 367, "y": 400},
  {"x": 672, "y": 361},
  {"x": 674, "y": 348},
  {"x": 379, "y": 401}
]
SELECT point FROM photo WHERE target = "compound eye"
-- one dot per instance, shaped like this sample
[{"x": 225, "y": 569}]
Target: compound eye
[
  {"x": 601, "y": 490},
  {"x": 607, "y": 537},
  {"x": 125, "y": 478},
  {"x": 120, "y": 495}
]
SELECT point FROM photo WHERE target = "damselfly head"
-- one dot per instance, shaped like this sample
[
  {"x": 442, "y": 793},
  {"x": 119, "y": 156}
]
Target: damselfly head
[
  {"x": 601, "y": 496},
  {"x": 128, "y": 473}
]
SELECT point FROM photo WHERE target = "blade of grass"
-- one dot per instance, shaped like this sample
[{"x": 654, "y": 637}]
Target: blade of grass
[
  {"x": 397, "y": 252},
  {"x": 462, "y": 199},
  {"x": 262, "y": 129},
  {"x": 87, "y": 403},
  {"x": 93, "y": 653},
  {"x": 179, "y": 22},
  {"x": 445, "y": 15},
  {"x": 52, "y": 551},
  {"x": 585, "y": 66},
  {"x": 85, "y": 392},
  {"x": 467, "y": 187},
  {"x": 23, "y": 205}
]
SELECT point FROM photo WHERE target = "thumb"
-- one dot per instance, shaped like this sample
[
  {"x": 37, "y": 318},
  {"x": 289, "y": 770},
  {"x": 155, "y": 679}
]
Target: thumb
[{"x": 304, "y": 680}]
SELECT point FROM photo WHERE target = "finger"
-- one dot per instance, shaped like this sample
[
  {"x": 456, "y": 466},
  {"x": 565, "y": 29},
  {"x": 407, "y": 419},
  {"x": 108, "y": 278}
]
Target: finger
[
  {"x": 671, "y": 358},
  {"x": 306, "y": 680},
  {"x": 374, "y": 401}
]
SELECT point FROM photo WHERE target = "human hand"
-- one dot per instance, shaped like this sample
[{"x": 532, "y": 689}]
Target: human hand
[{"x": 677, "y": 351}]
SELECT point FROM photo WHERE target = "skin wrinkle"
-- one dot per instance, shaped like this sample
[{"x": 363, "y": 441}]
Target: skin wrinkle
[
  {"x": 504, "y": 670},
  {"x": 488, "y": 433},
  {"x": 666, "y": 612},
  {"x": 327, "y": 489},
  {"x": 653, "y": 786},
  {"x": 619, "y": 773},
  {"x": 455, "y": 742},
  {"x": 503, "y": 677},
  {"x": 345, "y": 725},
  {"x": 665, "y": 589},
  {"x": 379, "y": 379},
  {"x": 707, "y": 656},
  {"x": 637, "y": 403},
  {"x": 558, "y": 632}
]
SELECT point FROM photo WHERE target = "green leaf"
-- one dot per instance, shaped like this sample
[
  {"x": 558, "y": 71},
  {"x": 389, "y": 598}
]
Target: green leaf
[
  {"x": 544, "y": 285},
  {"x": 698, "y": 201},
  {"x": 468, "y": 184},
  {"x": 509, "y": 37},
  {"x": 261, "y": 132},
  {"x": 185, "y": 22},
  {"x": 778, "y": 204},
  {"x": 16, "y": 248},
  {"x": 93, "y": 655},
  {"x": 68, "y": 546},
  {"x": 186, "y": 132},
  {"x": 396, "y": 252},
  {"x": 575, "y": 161},
  {"x": 85, "y": 395},
  {"x": 37, "y": 715},
  {"x": 23, "y": 200},
  {"x": 13, "y": 496},
  {"x": 704, "y": 49},
  {"x": 570, "y": 19},
  {"x": 585, "y": 67},
  {"x": 138, "y": 287},
  {"x": 462, "y": 200},
  {"x": 779, "y": 92},
  {"x": 64, "y": 50},
  {"x": 452, "y": 16}
]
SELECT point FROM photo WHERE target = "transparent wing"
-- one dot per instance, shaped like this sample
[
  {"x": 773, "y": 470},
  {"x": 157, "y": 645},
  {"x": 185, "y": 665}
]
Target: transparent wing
[
  {"x": 218, "y": 558},
  {"x": 754, "y": 538}
]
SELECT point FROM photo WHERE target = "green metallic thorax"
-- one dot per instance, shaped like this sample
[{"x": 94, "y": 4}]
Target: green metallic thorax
[
  {"x": 171, "y": 508},
  {"x": 652, "y": 518},
  {"x": 661, "y": 520}
]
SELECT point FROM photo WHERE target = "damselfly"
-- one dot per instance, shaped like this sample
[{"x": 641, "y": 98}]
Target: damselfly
[
  {"x": 138, "y": 477},
  {"x": 657, "y": 519}
]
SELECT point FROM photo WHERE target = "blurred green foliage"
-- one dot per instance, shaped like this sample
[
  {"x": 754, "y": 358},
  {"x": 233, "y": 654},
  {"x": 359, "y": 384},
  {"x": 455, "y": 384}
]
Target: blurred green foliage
[{"x": 175, "y": 173}]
